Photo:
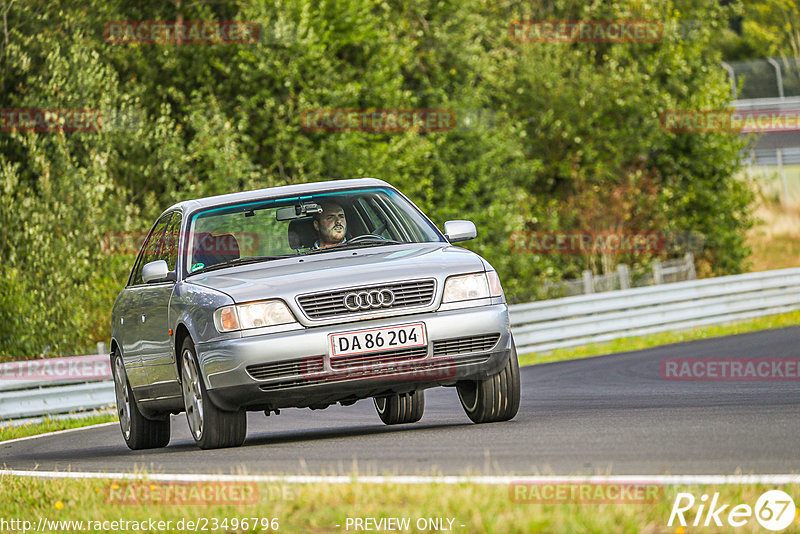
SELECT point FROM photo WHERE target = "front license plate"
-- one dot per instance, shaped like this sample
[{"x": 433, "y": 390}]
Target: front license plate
[{"x": 378, "y": 339}]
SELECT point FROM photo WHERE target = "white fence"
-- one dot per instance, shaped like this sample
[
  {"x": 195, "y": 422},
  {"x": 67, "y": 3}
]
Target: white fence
[
  {"x": 46, "y": 387},
  {"x": 675, "y": 270}
]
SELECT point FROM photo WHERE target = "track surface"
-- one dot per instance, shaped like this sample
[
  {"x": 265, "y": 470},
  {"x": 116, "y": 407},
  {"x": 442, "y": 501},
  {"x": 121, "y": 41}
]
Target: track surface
[{"x": 607, "y": 415}]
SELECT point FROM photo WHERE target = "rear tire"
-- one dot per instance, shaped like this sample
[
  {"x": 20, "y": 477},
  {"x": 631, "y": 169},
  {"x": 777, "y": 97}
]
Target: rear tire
[
  {"x": 211, "y": 427},
  {"x": 495, "y": 398},
  {"x": 138, "y": 431},
  {"x": 401, "y": 408}
]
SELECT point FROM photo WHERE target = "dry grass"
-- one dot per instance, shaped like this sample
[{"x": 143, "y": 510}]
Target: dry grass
[{"x": 775, "y": 241}]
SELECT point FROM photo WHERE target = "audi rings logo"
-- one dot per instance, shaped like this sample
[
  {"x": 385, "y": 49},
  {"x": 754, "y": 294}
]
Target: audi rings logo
[{"x": 365, "y": 300}]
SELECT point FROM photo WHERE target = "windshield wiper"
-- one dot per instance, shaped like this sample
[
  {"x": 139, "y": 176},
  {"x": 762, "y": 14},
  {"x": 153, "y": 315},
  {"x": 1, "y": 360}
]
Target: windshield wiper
[
  {"x": 356, "y": 243},
  {"x": 371, "y": 238},
  {"x": 238, "y": 261}
]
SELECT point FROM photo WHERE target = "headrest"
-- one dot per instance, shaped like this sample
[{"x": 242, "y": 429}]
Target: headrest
[
  {"x": 212, "y": 249},
  {"x": 302, "y": 233}
]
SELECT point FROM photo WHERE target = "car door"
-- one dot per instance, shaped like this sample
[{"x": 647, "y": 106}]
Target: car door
[
  {"x": 135, "y": 337},
  {"x": 158, "y": 356}
]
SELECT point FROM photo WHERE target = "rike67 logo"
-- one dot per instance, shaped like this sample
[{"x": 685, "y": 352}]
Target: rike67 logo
[{"x": 774, "y": 510}]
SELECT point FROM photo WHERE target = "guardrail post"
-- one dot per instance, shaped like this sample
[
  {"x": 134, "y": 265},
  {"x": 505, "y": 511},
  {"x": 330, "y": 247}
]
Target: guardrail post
[
  {"x": 624, "y": 276},
  {"x": 588, "y": 284},
  {"x": 689, "y": 259},
  {"x": 782, "y": 172},
  {"x": 658, "y": 272}
]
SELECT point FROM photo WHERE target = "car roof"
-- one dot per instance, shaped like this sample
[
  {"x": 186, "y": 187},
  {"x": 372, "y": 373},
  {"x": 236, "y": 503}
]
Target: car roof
[{"x": 280, "y": 191}]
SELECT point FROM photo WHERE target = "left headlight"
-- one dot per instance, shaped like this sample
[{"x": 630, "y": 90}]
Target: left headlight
[
  {"x": 252, "y": 315},
  {"x": 472, "y": 286}
]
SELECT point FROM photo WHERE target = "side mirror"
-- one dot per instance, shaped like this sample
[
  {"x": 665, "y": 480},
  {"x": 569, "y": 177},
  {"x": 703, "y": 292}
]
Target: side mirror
[
  {"x": 456, "y": 231},
  {"x": 157, "y": 271}
]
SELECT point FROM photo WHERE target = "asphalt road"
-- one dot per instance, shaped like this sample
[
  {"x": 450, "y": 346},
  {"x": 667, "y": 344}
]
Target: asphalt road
[{"x": 606, "y": 415}]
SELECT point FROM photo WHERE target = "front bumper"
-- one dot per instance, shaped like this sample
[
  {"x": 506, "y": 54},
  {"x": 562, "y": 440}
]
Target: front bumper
[{"x": 294, "y": 368}]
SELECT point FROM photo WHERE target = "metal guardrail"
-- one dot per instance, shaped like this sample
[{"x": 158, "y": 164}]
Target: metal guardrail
[
  {"x": 48, "y": 387},
  {"x": 571, "y": 321},
  {"x": 56, "y": 399},
  {"x": 54, "y": 386},
  {"x": 65, "y": 370}
]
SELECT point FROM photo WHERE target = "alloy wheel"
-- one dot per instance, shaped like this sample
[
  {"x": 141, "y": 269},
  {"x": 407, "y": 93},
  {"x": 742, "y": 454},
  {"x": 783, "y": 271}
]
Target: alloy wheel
[
  {"x": 192, "y": 395},
  {"x": 123, "y": 400}
]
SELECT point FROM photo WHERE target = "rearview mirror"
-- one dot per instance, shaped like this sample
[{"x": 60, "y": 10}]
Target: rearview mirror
[
  {"x": 456, "y": 231},
  {"x": 157, "y": 271},
  {"x": 299, "y": 210}
]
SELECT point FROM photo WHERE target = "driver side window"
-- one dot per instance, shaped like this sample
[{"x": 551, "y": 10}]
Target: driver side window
[{"x": 151, "y": 250}]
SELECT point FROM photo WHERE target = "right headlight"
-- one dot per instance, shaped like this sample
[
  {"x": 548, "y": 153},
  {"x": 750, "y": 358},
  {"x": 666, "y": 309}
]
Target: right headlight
[
  {"x": 472, "y": 286},
  {"x": 252, "y": 315}
]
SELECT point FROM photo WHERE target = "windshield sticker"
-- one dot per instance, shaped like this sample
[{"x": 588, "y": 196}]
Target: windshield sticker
[{"x": 197, "y": 267}]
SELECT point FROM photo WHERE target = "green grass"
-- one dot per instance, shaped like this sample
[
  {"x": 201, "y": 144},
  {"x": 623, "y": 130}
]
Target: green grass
[
  {"x": 320, "y": 507},
  {"x": 654, "y": 340},
  {"x": 53, "y": 425}
]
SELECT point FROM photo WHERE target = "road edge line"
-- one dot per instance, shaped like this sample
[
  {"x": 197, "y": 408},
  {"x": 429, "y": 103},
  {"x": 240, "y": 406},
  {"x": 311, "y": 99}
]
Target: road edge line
[{"x": 667, "y": 480}]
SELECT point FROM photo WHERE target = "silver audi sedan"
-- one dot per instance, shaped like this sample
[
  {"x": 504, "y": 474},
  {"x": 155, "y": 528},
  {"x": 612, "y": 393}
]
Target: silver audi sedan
[{"x": 305, "y": 296}]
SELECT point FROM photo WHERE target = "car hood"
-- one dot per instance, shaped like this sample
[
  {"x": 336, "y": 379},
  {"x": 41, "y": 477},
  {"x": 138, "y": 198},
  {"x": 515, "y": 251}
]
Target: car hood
[{"x": 289, "y": 277}]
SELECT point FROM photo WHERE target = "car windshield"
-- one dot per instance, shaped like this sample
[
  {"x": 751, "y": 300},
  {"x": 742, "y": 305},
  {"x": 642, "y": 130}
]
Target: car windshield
[{"x": 311, "y": 224}]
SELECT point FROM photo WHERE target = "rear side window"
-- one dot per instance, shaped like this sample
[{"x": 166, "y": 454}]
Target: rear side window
[{"x": 151, "y": 249}]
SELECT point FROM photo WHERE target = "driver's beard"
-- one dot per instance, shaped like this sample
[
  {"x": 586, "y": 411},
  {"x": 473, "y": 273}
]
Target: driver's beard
[{"x": 335, "y": 236}]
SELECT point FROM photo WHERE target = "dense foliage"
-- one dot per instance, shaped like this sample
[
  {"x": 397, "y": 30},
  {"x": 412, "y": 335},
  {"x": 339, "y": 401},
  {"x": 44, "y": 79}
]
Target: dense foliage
[{"x": 549, "y": 136}]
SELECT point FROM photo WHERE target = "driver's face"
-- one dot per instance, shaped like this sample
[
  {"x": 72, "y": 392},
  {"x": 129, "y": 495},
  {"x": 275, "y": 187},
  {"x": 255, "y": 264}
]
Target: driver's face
[{"x": 332, "y": 225}]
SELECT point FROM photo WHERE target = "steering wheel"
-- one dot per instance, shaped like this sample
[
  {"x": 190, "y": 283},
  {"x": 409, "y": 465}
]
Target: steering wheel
[{"x": 365, "y": 236}]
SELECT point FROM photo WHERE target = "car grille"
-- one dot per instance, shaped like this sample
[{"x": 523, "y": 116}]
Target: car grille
[
  {"x": 307, "y": 371},
  {"x": 464, "y": 345},
  {"x": 331, "y": 303},
  {"x": 302, "y": 367},
  {"x": 423, "y": 368},
  {"x": 388, "y": 356}
]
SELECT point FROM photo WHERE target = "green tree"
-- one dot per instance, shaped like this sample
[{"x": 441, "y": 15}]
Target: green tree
[{"x": 548, "y": 136}]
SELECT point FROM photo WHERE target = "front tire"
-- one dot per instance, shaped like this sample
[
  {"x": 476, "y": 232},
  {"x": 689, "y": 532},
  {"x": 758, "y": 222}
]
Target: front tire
[
  {"x": 495, "y": 398},
  {"x": 138, "y": 431},
  {"x": 211, "y": 427},
  {"x": 401, "y": 408}
]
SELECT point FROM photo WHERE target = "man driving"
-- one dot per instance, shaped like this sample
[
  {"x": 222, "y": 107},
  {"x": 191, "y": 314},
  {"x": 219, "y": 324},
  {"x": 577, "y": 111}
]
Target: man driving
[{"x": 331, "y": 225}]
